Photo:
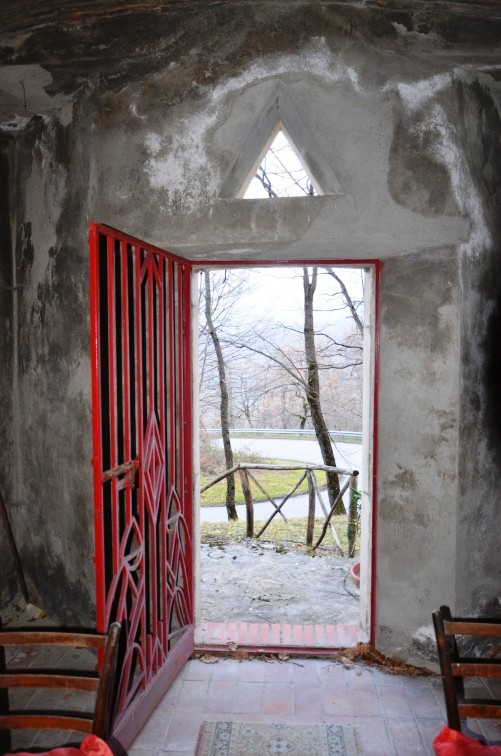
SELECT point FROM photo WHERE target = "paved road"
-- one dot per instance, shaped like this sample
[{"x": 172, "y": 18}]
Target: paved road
[{"x": 348, "y": 456}]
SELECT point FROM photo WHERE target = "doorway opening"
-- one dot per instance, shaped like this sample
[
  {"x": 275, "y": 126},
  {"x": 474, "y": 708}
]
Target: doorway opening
[
  {"x": 290, "y": 365},
  {"x": 259, "y": 323}
]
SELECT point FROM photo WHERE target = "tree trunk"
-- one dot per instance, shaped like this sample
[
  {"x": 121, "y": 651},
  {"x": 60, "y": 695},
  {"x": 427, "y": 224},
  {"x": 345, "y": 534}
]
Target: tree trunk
[
  {"x": 304, "y": 417},
  {"x": 224, "y": 409},
  {"x": 313, "y": 391}
]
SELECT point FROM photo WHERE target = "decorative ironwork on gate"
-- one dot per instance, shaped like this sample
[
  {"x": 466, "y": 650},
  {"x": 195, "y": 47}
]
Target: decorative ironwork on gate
[{"x": 141, "y": 354}]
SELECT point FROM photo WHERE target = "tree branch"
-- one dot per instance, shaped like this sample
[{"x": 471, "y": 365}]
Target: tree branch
[
  {"x": 298, "y": 378},
  {"x": 348, "y": 300}
]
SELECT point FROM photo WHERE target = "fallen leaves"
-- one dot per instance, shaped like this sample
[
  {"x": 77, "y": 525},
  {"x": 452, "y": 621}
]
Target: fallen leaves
[
  {"x": 365, "y": 654},
  {"x": 207, "y": 658},
  {"x": 350, "y": 658}
]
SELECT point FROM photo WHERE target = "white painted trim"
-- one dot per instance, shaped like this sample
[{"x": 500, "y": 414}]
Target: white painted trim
[
  {"x": 367, "y": 552},
  {"x": 366, "y": 538}
]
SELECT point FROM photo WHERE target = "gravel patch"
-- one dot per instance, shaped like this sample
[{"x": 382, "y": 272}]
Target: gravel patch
[{"x": 263, "y": 582}]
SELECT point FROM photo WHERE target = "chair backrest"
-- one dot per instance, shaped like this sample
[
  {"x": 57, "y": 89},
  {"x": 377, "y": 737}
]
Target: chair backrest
[
  {"x": 455, "y": 667},
  {"x": 98, "y": 680}
]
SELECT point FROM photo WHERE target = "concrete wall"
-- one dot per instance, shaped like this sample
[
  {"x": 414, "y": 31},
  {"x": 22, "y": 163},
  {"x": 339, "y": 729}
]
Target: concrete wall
[
  {"x": 178, "y": 157},
  {"x": 448, "y": 519},
  {"x": 7, "y": 578},
  {"x": 398, "y": 197},
  {"x": 478, "y": 571},
  {"x": 417, "y": 446},
  {"x": 146, "y": 145}
]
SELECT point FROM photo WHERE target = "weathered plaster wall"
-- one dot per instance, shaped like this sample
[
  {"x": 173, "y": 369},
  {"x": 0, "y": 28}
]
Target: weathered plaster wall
[
  {"x": 459, "y": 131},
  {"x": 146, "y": 146},
  {"x": 53, "y": 509},
  {"x": 399, "y": 196},
  {"x": 7, "y": 579},
  {"x": 478, "y": 572},
  {"x": 418, "y": 446},
  {"x": 178, "y": 157}
]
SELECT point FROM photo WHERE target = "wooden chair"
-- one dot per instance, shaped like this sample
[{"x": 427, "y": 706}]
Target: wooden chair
[
  {"x": 455, "y": 667},
  {"x": 99, "y": 683}
]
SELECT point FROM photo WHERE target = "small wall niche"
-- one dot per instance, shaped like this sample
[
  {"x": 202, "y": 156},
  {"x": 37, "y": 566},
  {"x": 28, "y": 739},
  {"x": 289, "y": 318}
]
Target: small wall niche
[{"x": 280, "y": 119}]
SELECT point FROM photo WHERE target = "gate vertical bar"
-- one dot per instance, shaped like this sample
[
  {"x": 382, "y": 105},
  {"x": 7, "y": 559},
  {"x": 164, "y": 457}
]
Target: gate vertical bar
[
  {"x": 112, "y": 388},
  {"x": 126, "y": 367},
  {"x": 95, "y": 326},
  {"x": 187, "y": 409}
]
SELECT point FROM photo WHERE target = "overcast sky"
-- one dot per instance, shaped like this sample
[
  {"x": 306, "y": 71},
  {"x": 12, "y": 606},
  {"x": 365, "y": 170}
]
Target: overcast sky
[{"x": 277, "y": 293}]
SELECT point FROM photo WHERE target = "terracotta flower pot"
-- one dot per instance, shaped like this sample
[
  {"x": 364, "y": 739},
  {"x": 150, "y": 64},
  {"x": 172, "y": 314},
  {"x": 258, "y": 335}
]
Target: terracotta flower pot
[{"x": 355, "y": 573}]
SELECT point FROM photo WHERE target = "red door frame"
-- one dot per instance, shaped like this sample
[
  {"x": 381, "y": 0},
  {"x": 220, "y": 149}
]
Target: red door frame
[
  {"x": 376, "y": 265},
  {"x": 142, "y": 432}
]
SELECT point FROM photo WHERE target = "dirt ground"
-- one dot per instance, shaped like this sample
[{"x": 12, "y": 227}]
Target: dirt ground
[{"x": 257, "y": 582}]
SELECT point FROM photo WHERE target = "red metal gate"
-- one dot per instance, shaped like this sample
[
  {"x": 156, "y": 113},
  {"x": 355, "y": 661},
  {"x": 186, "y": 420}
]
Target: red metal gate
[{"x": 141, "y": 391}]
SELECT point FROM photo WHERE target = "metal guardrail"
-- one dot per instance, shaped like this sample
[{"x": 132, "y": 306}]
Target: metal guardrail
[{"x": 283, "y": 431}]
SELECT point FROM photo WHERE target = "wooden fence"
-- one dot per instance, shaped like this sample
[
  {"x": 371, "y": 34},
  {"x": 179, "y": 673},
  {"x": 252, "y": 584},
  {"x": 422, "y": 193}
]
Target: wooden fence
[{"x": 350, "y": 482}]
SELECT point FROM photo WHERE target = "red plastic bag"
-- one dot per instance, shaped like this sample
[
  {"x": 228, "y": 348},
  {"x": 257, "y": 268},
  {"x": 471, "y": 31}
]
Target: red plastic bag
[
  {"x": 90, "y": 746},
  {"x": 94, "y": 746},
  {"x": 453, "y": 743},
  {"x": 53, "y": 752}
]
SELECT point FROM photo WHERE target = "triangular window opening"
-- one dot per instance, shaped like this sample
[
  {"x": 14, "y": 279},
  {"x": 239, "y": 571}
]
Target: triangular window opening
[{"x": 280, "y": 173}]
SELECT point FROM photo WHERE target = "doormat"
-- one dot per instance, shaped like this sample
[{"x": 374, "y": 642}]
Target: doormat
[{"x": 260, "y": 739}]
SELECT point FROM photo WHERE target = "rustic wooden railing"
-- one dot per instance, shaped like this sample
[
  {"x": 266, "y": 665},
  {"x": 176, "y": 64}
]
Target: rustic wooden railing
[{"x": 350, "y": 482}]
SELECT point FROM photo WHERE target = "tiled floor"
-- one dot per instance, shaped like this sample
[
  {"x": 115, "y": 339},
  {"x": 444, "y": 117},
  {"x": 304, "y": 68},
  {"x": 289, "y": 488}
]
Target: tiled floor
[{"x": 393, "y": 715}]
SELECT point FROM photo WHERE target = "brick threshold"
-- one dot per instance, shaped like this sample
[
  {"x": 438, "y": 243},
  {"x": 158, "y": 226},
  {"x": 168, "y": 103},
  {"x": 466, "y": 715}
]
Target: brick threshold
[{"x": 269, "y": 638}]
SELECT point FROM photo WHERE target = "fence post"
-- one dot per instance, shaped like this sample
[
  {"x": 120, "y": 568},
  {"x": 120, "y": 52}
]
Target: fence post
[
  {"x": 249, "y": 504},
  {"x": 311, "y": 511},
  {"x": 352, "y": 513}
]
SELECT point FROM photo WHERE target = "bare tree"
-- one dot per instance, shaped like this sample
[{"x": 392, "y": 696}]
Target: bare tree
[
  {"x": 281, "y": 173},
  {"x": 352, "y": 306},
  {"x": 252, "y": 383},
  {"x": 224, "y": 396},
  {"x": 313, "y": 388},
  {"x": 303, "y": 371}
]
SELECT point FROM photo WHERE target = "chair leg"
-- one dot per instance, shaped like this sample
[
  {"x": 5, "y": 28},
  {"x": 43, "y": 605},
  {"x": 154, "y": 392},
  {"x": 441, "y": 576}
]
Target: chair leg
[
  {"x": 448, "y": 680},
  {"x": 5, "y": 738},
  {"x": 116, "y": 747}
]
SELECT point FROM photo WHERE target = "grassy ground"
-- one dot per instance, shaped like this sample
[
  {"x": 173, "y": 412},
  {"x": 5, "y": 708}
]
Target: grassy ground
[
  {"x": 277, "y": 483},
  {"x": 288, "y": 534}
]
